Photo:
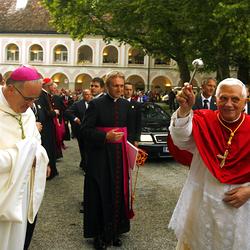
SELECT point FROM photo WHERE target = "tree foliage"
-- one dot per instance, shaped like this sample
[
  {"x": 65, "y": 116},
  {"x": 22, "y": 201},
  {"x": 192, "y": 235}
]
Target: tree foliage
[
  {"x": 217, "y": 31},
  {"x": 222, "y": 34}
]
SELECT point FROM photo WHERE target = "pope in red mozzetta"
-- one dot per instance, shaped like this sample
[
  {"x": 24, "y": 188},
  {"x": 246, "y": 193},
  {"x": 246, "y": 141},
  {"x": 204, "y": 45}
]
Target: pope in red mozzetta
[{"x": 213, "y": 208}]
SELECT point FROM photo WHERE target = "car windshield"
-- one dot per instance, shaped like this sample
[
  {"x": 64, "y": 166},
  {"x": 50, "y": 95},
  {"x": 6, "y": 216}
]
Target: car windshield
[{"x": 153, "y": 112}]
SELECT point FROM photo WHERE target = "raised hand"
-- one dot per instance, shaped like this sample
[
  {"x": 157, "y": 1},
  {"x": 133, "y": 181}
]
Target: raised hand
[{"x": 186, "y": 100}]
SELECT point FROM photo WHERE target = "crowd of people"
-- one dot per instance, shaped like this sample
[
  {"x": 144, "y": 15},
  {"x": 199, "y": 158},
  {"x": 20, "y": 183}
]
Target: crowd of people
[{"x": 212, "y": 126}]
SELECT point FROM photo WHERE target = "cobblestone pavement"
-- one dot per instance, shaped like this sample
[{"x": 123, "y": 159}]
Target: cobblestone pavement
[{"x": 60, "y": 224}]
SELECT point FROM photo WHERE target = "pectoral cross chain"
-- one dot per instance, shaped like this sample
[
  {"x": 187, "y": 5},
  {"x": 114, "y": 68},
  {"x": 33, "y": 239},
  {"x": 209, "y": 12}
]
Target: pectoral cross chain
[
  {"x": 21, "y": 126},
  {"x": 229, "y": 142},
  {"x": 20, "y": 123},
  {"x": 223, "y": 158}
]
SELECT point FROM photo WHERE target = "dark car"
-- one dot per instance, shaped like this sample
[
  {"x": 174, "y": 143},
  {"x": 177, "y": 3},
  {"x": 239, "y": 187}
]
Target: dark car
[{"x": 155, "y": 123}]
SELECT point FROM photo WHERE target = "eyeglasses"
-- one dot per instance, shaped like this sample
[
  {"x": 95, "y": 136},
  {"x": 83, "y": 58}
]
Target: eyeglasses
[{"x": 26, "y": 98}]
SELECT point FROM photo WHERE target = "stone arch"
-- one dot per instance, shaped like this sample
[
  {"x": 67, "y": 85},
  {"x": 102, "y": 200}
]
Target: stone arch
[
  {"x": 110, "y": 54},
  {"x": 35, "y": 53},
  {"x": 84, "y": 55},
  {"x": 161, "y": 84},
  {"x": 82, "y": 81},
  {"x": 61, "y": 80},
  {"x": 12, "y": 52},
  {"x": 137, "y": 82}
]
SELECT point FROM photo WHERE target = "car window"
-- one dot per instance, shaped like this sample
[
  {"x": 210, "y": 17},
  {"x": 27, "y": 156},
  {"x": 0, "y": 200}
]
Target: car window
[{"x": 154, "y": 112}]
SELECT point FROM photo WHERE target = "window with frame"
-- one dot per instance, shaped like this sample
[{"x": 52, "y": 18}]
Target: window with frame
[
  {"x": 135, "y": 56},
  {"x": 12, "y": 53},
  {"x": 85, "y": 55},
  {"x": 36, "y": 53},
  {"x": 60, "y": 54}
]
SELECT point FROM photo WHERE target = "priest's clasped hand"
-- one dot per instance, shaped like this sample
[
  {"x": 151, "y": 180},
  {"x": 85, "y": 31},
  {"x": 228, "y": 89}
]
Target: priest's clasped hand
[
  {"x": 113, "y": 135},
  {"x": 186, "y": 100}
]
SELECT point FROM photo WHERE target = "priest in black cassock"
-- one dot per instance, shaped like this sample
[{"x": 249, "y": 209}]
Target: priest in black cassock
[
  {"x": 107, "y": 207},
  {"x": 45, "y": 114}
]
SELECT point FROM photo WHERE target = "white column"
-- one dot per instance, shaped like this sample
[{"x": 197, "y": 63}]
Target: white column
[
  {"x": 72, "y": 53},
  {"x": 47, "y": 53},
  {"x": 97, "y": 59},
  {"x": 24, "y": 51},
  {"x": 122, "y": 61},
  {"x": 71, "y": 85}
]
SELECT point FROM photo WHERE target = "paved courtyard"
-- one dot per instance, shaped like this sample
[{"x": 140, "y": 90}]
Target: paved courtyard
[{"x": 60, "y": 224}]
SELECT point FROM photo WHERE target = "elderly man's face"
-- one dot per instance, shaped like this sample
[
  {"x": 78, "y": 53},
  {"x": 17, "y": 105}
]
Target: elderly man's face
[
  {"x": 116, "y": 87},
  {"x": 230, "y": 102},
  {"x": 23, "y": 97},
  {"x": 87, "y": 96}
]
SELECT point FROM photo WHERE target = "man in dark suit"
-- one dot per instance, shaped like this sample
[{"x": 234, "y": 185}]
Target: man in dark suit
[
  {"x": 75, "y": 113},
  {"x": 135, "y": 112},
  {"x": 206, "y": 99}
]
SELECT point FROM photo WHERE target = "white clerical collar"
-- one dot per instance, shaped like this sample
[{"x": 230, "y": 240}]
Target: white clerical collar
[
  {"x": 231, "y": 121},
  {"x": 115, "y": 99},
  {"x": 45, "y": 90}
]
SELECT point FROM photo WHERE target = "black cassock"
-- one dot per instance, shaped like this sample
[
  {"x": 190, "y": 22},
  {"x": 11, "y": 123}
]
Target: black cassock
[
  {"x": 104, "y": 206},
  {"x": 45, "y": 115}
]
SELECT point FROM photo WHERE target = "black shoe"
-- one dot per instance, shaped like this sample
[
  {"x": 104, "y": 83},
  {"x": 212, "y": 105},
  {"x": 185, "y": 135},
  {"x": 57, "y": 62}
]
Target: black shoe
[
  {"x": 117, "y": 242},
  {"x": 99, "y": 244}
]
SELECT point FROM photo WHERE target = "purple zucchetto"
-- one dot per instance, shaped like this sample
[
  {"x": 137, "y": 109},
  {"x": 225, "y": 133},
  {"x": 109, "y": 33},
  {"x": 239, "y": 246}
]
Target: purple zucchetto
[{"x": 25, "y": 73}]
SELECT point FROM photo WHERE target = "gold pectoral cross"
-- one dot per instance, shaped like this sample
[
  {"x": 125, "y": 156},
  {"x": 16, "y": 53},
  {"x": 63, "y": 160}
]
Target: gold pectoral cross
[{"x": 223, "y": 158}]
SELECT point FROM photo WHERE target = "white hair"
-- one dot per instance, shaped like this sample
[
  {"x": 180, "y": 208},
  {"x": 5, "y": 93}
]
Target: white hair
[{"x": 231, "y": 82}]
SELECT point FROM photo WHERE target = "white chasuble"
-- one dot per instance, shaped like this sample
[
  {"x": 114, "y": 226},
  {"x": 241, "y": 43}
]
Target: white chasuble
[
  {"x": 201, "y": 219},
  {"x": 23, "y": 165}
]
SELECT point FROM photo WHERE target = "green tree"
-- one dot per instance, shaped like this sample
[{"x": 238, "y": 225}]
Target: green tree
[
  {"x": 222, "y": 32},
  {"x": 217, "y": 31},
  {"x": 237, "y": 15},
  {"x": 156, "y": 27}
]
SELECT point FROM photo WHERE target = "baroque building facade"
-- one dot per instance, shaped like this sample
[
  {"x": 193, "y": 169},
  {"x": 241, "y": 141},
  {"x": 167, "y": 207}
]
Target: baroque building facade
[{"x": 70, "y": 63}]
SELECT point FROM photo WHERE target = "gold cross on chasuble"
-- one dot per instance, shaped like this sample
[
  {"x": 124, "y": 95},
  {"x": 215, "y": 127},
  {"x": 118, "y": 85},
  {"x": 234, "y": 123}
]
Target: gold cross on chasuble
[{"x": 229, "y": 142}]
